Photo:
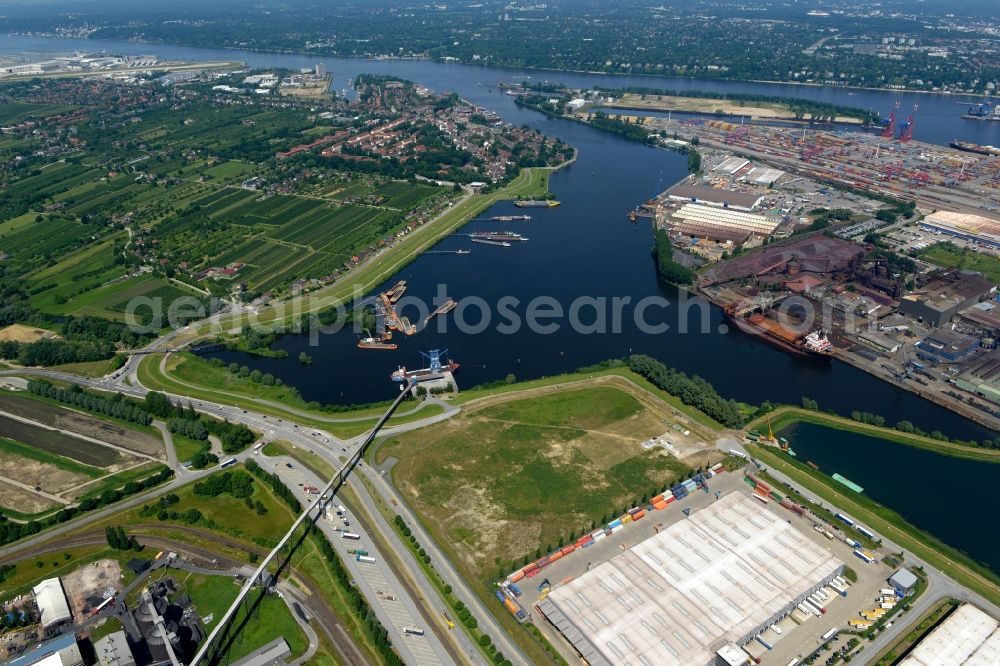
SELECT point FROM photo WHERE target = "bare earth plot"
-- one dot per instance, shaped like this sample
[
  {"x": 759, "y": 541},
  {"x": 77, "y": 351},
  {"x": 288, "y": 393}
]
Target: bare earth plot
[
  {"x": 22, "y": 333},
  {"x": 66, "y": 419},
  {"x": 86, "y": 587},
  {"x": 25, "y": 501},
  {"x": 513, "y": 474}
]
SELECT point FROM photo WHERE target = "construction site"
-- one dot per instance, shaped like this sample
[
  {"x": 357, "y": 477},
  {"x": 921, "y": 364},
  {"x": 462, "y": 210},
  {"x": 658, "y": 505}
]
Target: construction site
[{"x": 723, "y": 576}]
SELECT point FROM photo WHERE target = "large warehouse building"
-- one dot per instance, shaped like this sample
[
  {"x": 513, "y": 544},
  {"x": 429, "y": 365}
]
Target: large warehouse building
[
  {"x": 975, "y": 228},
  {"x": 52, "y": 602},
  {"x": 702, "y": 586},
  {"x": 719, "y": 224},
  {"x": 968, "y": 637}
]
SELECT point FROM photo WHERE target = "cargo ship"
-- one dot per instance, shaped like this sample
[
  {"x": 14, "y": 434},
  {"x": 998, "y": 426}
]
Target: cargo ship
[
  {"x": 537, "y": 203},
  {"x": 435, "y": 370},
  {"x": 498, "y": 236},
  {"x": 505, "y": 218},
  {"x": 964, "y": 146},
  {"x": 376, "y": 343},
  {"x": 814, "y": 345}
]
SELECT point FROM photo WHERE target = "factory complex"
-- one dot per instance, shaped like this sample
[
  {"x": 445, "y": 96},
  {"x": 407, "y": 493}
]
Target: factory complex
[
  {"x": 976, "y": 229},
  {"x": 694, "y": 592},
  {"x": 968, "y": 636}
]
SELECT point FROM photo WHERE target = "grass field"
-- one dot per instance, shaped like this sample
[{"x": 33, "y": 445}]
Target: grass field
[
  {"x": 498, "y": 482},
  {"x": 212, "y": 595},
  {"x": 950, "y": 255},
  {"x": 33, "y": 569}
]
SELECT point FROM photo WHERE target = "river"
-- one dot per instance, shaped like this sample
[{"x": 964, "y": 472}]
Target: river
[
  {"x": 584, "y": 248},
  {"x": 896, "y": 476}
]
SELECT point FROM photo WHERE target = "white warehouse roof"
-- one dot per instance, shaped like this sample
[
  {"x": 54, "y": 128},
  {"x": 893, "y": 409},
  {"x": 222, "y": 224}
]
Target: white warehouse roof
[
  {"x": 51, "y": 602},
  {"x": 968, "y": 637},
  {"x": 725, "y": 218},
  {"x": 685, "y": 592}
]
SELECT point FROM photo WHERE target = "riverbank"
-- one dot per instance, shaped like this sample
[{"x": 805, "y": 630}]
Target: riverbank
[{"x": 783, "y": 417}]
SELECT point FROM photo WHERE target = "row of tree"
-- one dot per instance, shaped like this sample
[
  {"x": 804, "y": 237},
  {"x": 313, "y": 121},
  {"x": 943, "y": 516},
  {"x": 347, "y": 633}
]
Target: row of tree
[
  {"x": 116, "y": 406},
  {"x": 693, "y": 390},
  {"x": 118, "y": 540},
  {"x": 667, "y": 269}
]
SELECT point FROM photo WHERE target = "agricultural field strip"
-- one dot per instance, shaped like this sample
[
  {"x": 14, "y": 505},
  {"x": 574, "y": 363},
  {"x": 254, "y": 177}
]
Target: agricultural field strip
[{"x": 86, "y": 438}]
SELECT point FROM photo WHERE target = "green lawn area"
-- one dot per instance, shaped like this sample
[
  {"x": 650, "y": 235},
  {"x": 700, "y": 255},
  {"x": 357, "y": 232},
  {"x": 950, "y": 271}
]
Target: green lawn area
[
  {"x": 212, "y": 595},
  {"x": 951, "y": 256},
  {"x": 886, "y": 522},
  {"x": 318, "y": 464},
  {"x": 499, "y": 481},
  {"x": 89, "y": 368},
  {"x": 187, "y": 448}
]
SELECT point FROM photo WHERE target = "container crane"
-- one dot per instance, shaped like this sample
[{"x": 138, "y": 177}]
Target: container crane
[
  {"x": 889, "y": 128},
  {"x": 906, "y": 132}
]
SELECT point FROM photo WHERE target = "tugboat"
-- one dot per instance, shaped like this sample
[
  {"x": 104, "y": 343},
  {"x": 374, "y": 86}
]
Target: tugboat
[
  {"x": 375, "y": 343},
  {"x": 435, "y": 370}
]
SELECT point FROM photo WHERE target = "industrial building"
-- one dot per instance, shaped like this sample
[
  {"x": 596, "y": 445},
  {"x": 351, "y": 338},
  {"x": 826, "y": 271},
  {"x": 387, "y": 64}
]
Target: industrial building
[
  {"x": 694, "y": 592},
  {"x": 714, "y": 196},
  {"x": 764, "y": 176},
  {"x": 52, "y": 604},
  {"x": 732, "y": 165},
  {"x": 973, "y": 228},
  {"x": 967, "y": 636},
  {"x": 945, "y": 297},
  {"x": 879, "y": 342},
  {"x": 947, "y": 346},
  {"x": 982, "y": 317},
  {"x": 982, "y": 378},
  {"x": 271, "y": 654},
  {"x": 720, "y": 225},
  {"x": 114, "y": 650},
  {"x": 60, "y": 651},
  {"x": 903, "y": 581}
]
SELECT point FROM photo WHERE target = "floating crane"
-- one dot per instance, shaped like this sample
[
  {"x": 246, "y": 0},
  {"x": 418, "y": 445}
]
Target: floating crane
[{"x": 889, "y": 129}]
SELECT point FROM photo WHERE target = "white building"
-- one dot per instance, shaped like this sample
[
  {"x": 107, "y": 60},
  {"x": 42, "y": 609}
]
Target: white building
[
  {"x": 969, "y": 636},
  {"x": 52, "y": 604},
  {"x": 320, "y": 70},
  {"x": 719, "y": 577}
]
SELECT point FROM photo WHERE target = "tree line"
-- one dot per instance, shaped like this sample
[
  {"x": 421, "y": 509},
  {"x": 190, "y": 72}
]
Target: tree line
[
  {"x": 116, "y": 406},
  {"x": 693, "y": 391},
  {"x": 667, "y": 269},
  {"x": 186, "y": 421}
]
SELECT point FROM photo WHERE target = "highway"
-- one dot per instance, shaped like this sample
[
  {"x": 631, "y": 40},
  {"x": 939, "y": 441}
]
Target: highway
[{"x": 427, "y": 606}]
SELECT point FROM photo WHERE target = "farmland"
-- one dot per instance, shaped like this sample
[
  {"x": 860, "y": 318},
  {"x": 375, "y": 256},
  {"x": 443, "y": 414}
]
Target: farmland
[{"x": 518, "y": 473}]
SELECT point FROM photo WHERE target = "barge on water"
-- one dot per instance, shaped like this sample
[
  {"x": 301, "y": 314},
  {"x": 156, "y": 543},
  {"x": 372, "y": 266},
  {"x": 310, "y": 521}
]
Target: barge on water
[
  {"x": 498, "y": 236},
  {"x": 444, "y": 308},
  {"x": 537, "y": 203},
  {"x": 967, "y": 147}
]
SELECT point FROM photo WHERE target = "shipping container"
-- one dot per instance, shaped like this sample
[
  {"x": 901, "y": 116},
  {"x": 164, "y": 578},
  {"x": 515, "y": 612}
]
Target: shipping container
[
  {"x": 775, "y": 496},
  {"x": 830, "y": 634},
  {"x": 852, "y": 543},
  {"x": 516, "y": 576},
  {"x": 867, "y": 533},
  {"x": 566, "y": 550},
  {"x": 515, "y": 589},
  {"x": 350, "y": 535},
  {"x": 658, "y": 498},
  {"x": 670, "y": 499},
  {"x": 626, "y": 519},
  {"x": 583, "y": 541},
  {"x": 887, "y": 606},
  {"x": 615, "y": 523},
  {"x": 639, "y": 514},
  {"x": 716, "y": 467},
  {"x": 887, "y": 590},
  {"x": 864, "y": 557},
  {"x": 600, "y": 535},
  {"x": 542, "y": 562},
  {"x": 793, "y": 662},
  {"x": 844, "y": 518},
  {"x": 367, "y": 559},
  {"x": 761, "y": 498},
  {"x": 659, "y": 506},
  {"x": 750, "y": 481},
  {"x": 529, "y": 568},
  {"x": 633, "y": 511},
  {"x": 555, "y": 557},
  {"x": 533, "y": 572},
  {"x": 511, "y": 606},
  {"x": 617, "y": 527}
]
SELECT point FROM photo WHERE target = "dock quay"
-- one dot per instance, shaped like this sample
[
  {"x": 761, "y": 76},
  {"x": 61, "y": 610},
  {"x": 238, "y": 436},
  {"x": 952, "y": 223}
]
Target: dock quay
[{"x": 387, "y": 300}]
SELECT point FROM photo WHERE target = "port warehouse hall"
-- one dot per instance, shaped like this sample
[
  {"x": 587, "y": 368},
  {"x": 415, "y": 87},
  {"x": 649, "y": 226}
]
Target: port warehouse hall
[{"x": 715, "y": 580}]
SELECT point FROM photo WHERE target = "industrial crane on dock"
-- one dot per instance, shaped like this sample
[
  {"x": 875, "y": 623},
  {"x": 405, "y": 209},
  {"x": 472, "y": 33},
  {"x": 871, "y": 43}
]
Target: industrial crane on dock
[
  {"x": 889, "y": 129},
  {"x": 906, "y": 132}
]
